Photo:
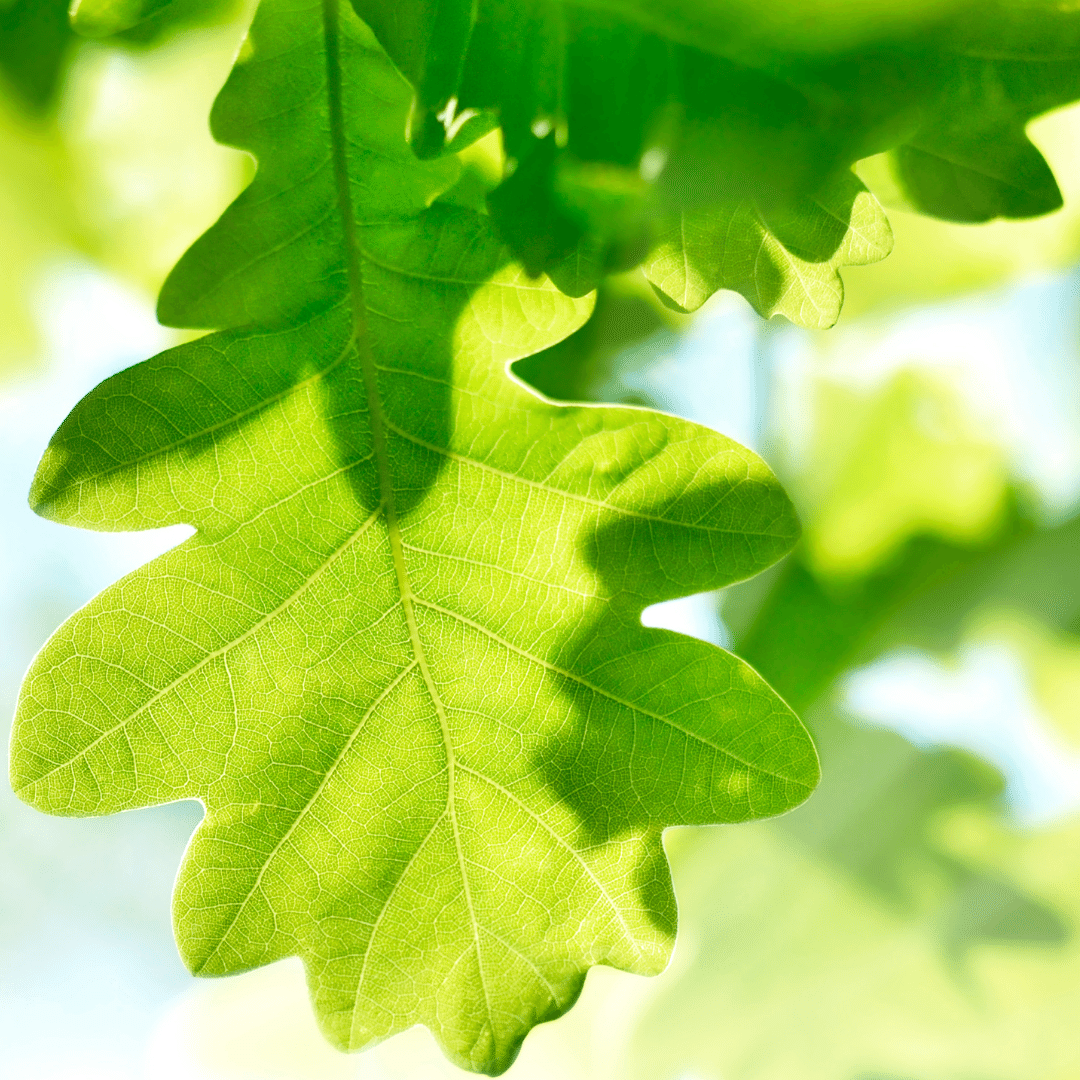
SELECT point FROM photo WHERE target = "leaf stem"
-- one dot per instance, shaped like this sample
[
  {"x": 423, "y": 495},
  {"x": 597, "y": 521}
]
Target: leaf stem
[{"x": 332, "y": 34}]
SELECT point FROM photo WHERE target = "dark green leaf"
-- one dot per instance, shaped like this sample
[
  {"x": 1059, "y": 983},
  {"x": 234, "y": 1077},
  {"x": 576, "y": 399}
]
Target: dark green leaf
[
  {"x": 732, "y": 105},
  {"x": 34, "y": 43}
]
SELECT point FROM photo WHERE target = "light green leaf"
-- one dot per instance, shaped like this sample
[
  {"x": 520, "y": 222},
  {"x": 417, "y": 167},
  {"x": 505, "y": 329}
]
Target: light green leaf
[
  {"x": 401, "y": 661},
  {"x": 102, "y": 18},
  {"x": 785, "y": 263}
]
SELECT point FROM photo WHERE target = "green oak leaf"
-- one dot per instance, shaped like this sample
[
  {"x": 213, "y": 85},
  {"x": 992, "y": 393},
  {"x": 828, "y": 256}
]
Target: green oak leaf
[
  {"x": 401, "y": 661},
  {"x": 970, "y": 158},
  {"x": 783, "y": 263},
  {"x": 729, "y": 102},
  {"x": 592, "y": 99}
]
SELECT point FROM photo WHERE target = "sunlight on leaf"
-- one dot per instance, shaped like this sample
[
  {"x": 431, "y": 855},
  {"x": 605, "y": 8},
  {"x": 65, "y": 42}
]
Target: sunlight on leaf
[
  {"x": 401, "y": 661},
  {"x": 783, "y": 263}
]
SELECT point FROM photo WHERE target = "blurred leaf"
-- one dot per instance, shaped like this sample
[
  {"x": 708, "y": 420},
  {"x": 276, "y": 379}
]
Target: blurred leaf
[
  {"x": 783, "y": 263},
  {"x": 904, "y": 459},
  {"x": 102, "y": 18},
  {"x": 161, "y": 22},
  {"x": 1034, "y": 573},
  {"x": 380, "y": 509},
  {"x": 34, "y": 42},
  {"x": 872, "y": 817},
  {"x": 809, "y": 628},
  {"x": 803, "y": 628},
  {"x": 143, "y": 189},
  {"x": 37, "y": 223},
  {"x": 140, "y": 24},
  {"x": 1052, "y": 659},
  {"x": 975, "y": 977}
]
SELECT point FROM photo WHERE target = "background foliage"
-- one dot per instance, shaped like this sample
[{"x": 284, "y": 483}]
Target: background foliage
[{"x": 910, "y": 901}]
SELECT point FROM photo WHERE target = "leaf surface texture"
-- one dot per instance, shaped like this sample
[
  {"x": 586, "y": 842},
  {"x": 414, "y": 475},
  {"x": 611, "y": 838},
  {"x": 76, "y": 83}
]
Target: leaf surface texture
[{"x": 401, "y": 661}]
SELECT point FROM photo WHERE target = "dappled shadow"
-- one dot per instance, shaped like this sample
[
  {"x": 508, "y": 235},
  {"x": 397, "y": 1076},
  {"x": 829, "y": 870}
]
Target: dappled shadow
[{"x": 664, "y": 729}]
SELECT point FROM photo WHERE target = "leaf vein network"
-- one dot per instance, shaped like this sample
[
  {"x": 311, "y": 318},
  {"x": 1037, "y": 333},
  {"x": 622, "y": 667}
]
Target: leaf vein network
[
  {"x": 599, "y": 503},
  {"x": 378, "y": 432},
  {"x": 217, "y": 653}
]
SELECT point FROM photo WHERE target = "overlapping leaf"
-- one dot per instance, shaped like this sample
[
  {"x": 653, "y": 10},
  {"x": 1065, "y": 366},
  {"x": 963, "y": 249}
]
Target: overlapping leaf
[
  {"x": 580, "y": 84},
  {"x": 742, "y": 104},
  {"x": 783, "y": 264},
  {"x": 401, "y": 661}
]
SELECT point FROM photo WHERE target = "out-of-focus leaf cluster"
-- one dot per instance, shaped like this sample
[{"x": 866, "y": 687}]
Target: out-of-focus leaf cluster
[{"x": 897, "y": 923}]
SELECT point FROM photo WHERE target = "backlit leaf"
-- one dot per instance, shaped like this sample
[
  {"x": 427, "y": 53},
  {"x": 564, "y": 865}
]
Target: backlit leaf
[
  {"x": 727, "y": 106},
  {"x": 401, "y": 661},
  {"x": 784, "y": 263}
]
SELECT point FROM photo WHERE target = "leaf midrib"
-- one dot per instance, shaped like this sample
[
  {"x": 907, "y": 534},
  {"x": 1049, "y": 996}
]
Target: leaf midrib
[{"x": 362, "y": 340}]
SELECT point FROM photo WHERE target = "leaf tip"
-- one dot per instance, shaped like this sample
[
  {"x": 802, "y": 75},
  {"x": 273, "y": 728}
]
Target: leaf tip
[
  {"x": 670, "y": 303},
  {"x": 49, "y": 483}
]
